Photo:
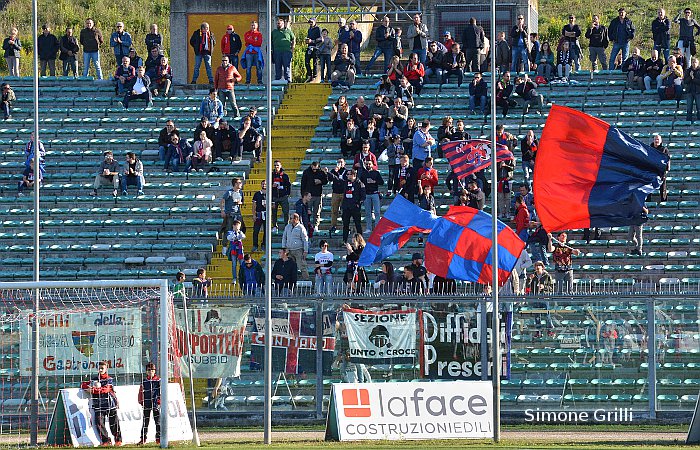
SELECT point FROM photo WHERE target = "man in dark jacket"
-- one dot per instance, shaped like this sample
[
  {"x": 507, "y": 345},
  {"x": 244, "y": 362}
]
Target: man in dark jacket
[
  {"x": 164, "y": 140},
  {"x": 571, "y": 32},
  {"x": 91, "y": 40},
  {"x": 48, "y": 50},
  {"x": 597, "y": 36},
  {"x": 313, "y": 41},
  {"x": 139, "y": 88},
  {"x": 475, "y": 196},
  {"x": 385, "y": 37},
  {"x": 312, "y": 180},
  {"x": 434, "y": 62},
  {"x": 518, "y": 43},
  {"x": 352, "y": 203},
  {"x": 284, "y": 272},
  {"x": 634, "y": 67},
  {"x": 69, "y": 52},
  {"x": 652, "y": 69},
  {"x": 281, "y": 189},
  {"x": 692, "y": 82},
  {"x": 661, "y": 32},
  {"x": 472, "y": 41},
  {"x": 202, "y": 42},
  {"x": 478, "y": 90},
  {"x": 337, "y": 178},
  {"x": 405, "y": 180},
  {"x": 620, "y": 32},
  {"x": 250, "y": 276}
]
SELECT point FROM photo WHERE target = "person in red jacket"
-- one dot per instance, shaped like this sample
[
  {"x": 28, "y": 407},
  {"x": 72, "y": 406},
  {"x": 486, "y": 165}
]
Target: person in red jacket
[
  {"x": 225, "y": 79},
  {"x": 427, "y": 176},
  {"x": 253, "y": 52},
  {"x": 231, "y": 45},
  {"x": 105, "y": 404},
  {"x": 414, "y": 73},
  {"x": 521, "y": 219}
]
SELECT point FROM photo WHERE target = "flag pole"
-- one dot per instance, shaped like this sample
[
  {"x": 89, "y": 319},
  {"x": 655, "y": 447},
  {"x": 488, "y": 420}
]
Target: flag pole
[{"x": 495, "y": 357}]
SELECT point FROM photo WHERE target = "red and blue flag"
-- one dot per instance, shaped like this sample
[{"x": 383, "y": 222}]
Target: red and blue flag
[
  {"x": 468, "y": 157},
  {"x": 401, "y": 220},
  {"x": 590, "y": 174},
  {"x": 459, "y": 247}
]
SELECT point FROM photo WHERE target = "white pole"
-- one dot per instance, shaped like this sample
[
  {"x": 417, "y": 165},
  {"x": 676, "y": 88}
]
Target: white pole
[
  {"x": 267, "y": 420},
  {"x": 163, "y": 360},
  {"x": 189, "y": 369},
  {"x": 495, "y": 328}
]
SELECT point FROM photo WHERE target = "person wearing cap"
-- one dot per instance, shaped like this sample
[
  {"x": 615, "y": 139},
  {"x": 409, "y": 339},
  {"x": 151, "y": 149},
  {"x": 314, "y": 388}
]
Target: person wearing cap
[
  {"x": 419, "y": 271},
  {"x": 385, "y": 37},
  {"x": 135, "y": 60},
  {"x": 313, "y": 42},
  {"x": 69, "y": 50},
  {"x": 283, "y": 41},
  {"x": 253, "y": 55},
  {"x": 153, "y": 38},
  {"x": 13, "y": 50},
  {"x": 120, "y": 41},
  {"x": 202, "y": 42},
  {"x": 620, "y": 32},
  {"x": 91, "y": 40},
  {"x": 225, "y": 79},
  {"x": 231, "y": 45},
  {"x": 7, "y": 97},
  {"x": 448, "y": 41},
  {"x": 48, "y": 50},
  {"x": 519, "y": 45},
  {"x": 417, "y": 35}
]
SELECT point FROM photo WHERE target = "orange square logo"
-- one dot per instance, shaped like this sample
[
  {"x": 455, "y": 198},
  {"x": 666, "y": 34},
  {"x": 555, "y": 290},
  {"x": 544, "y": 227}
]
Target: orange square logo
[{"x": 356, "y": 403}]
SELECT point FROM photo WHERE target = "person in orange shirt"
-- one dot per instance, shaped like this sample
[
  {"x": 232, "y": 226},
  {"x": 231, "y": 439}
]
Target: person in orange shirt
[
  {"x": 427, "y": 175},
  {"x": 225, "y": 79},
  {"x": 253, "y": 52}
]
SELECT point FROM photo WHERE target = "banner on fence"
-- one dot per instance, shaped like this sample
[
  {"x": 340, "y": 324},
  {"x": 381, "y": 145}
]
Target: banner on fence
[
  {"x": 73, "y": 420},
  {"x": 294, "y": 341},
  {"x": 216, "y": 337},
  {"x": 72, "y": 343},
  {"x": 376, "y": 337},
  {"x": 364, "y": 411},
  {"x": 451, "y": 345}
]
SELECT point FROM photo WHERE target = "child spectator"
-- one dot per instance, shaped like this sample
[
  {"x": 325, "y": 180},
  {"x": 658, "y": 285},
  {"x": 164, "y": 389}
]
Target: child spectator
[
  {"x": 149, "y": 399},
  {"x": 202, "y": 153},
  {"x": 235, "y": 247},
  {"x": 179, "y": 287},
  {"x": 27, "y": 179},
  {"x": 104, "y": 404},
  {"x": 201, "y": 285}
]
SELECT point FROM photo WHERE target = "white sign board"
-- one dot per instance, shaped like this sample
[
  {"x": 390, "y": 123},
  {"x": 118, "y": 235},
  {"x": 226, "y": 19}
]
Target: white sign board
[
  {"x": 420, "y": 410},
  {"x": 377, "y": 337}
]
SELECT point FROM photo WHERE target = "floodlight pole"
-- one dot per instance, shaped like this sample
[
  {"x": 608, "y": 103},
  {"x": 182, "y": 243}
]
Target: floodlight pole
[
  {"x": 34, "y": 409},
  {"x": 267, "y": 419},
  {"x": 495, "y": 328}
]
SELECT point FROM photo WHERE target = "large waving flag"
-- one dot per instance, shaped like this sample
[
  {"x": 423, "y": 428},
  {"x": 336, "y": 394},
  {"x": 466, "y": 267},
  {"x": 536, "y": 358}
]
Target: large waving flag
[
  {"x": 468, "y": 157},
  {"x": 401, "y": 220},
  {"x": 590, "y": 174},
  {"x": 459, "y": 247}
]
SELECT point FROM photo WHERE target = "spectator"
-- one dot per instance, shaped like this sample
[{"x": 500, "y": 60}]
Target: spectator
[
  {"x": 540, "y": 282},
  {"x": 91, "y": 40},
  {"x": 670, "y": 81},
  {"x": 534, "y": 51},
  {"x": 107, "y": 174},
  {"x": 69, "y": 50},
  {"x": 120, "y": 41},
  {"x": 427, "y": 176},
  {"x": 123, "y": 76},
  {"x": 152, "y": 62},
  {"x": 521, "y": 219},
  {"x": 394, "y": 151},
  {"x": 538, "y": 242},
  {"x": 528, "y": 149},
  {"x": 372, "y": 179},
  {"x": 405, "y": 92},
  {"x": 385, "y": 37},
  {"x": 387, "y": 280},
  {"x": 386, "y": 89},
  {"x": 634, "y": 66},
  {"x": 250, "y": 276},
  {"x": 652, "y": 70},
  {"x": 444, "y": 133},
  {"x": 48, "y": 50},
  {"x": 571, "y": 32},
  {"x": 459, "y": 133},
  {"x": 343, "y": 69},
  {"x": 312, "y": 180},
  {"x": 387, "y": 130},
  {"x": 225, "y": 79},
  {"x": 163, "y": 78},
  {"x": 519, "y": 45},
  {"x": 355, "y": 45},
  {"x": 635, "y": 235},
  {"x": 423, "y": 143},
  {"x": 414, "y": 73},
  {"x": 202, "y": 42},
  {"x": 202, "y": 152},
  {"x": 657, "y": 143},
  {"x": 686, "y": 39},
  {"x": 231, "y": 207},
  {"x": 302, "y": 208},
  {"x": 340, "y": 115},
  {"x": 661, "y": 32},
  {"x": 250, "y": 139},
  {"x": 545, "y": 61},
  {"x": 314, "y": 40},
  {"x": 136, "y": 60},
  {"x": 407, "y": 133},
  {"x": 564, "y": 60},
  {"x": 212, "y": 108},
  {"x": 434, "y": 62},
  {"x": 597, "y": 36},
  {"x": 355, "y": 276},
  {"x": 324, "y": 270},
  {"x": 153, "y": 38},
  {"x": 418, "y": 36},
  {"x": 395, "y": 71},
  {"x": 164, "y": 139},
  {"x": 205, "y": 125},
  {"x": 281, "y": 189},
  {"x": 28, "y": 178},
  {"x": 504, "y": 90},
  {"x": 680, "y": 59},
  {"x": 201, "y": 285},
  {"x": 378, "y": 110},
  {"x": 296, "y": 241},
  {"x": 503, "y": 52},
  {"x": 351, "y": 140},
  {"x": 475, "y": 196},
  {"x": 426, "y": 201},
  {"x": 478, "y": 90},
  {"x": 620, "y": 32},
  {"x": 564, "y": 274},
  {"x": 692, "y": 81},
  {"x": 284, "y": 273},
  {"x": 231, "y": 46},
  {"x": 505, "y": 187},
  {"x": 352, "y": 202},
  {"x": 253, "y": 55},
  {"x": 454, "y": 65},
  {"x": 178, "y": 155},
  {"x": 324, "y": 49},
  {"x": 255, "y": 121},
  {"x": 133, "y": 174},
  {"x": 527, "y": 90},
  {"x": 13, "y": 51},
  {"x": 420, "y": 273},
  {"x": 235, "y": 252},
  {"x": 29, "y": 153},
  {"x": 359, "y": 112},
  {"x": 364, "y": 156},
  {"x": 448, "y": 41},
  {"x": 399, "y": 113},
  {"x": 139, "y": 88},
  {"x": 528, "y": 200},
  {"x": 338, "y": 182},
  {"x": 283, "y": 41},
  {"x": 472, "y": 41},
  {"x": 405, "y": 180},
  {"x": 343, "y": 32},
  {"x": 226, "y": 140},
  {"x": 7, "y": 98}
]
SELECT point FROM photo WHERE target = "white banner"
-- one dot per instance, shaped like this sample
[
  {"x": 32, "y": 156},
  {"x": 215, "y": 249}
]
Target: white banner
[
  {"x": 72, "y": 343},
  {"x": 449, "y": 410},
  {"x": 376, "y": 337},
  {"x": 81, "y": 418},
  {"x": 216, "y": 337}
]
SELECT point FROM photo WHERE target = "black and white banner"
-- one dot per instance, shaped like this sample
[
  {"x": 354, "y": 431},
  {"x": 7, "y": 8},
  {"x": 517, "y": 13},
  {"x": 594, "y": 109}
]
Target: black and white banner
[{"x": 381, "y": 337}]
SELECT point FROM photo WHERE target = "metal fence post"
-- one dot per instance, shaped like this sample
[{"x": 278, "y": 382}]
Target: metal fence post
[{"x": 651, "y": 360}]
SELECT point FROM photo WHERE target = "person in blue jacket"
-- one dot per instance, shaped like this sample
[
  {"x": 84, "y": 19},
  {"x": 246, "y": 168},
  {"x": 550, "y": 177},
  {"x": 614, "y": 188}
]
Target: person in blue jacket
[{"x": 120, "y": 41}]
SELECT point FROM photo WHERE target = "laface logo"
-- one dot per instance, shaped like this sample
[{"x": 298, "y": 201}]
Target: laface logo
[
  {"x": 380, "y": 336},
  {"x": 356, "y": 403}
]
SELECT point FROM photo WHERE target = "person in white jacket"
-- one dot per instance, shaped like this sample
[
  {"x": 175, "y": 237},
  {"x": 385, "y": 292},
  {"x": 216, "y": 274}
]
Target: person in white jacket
[{"x": 296, "y": 240}]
